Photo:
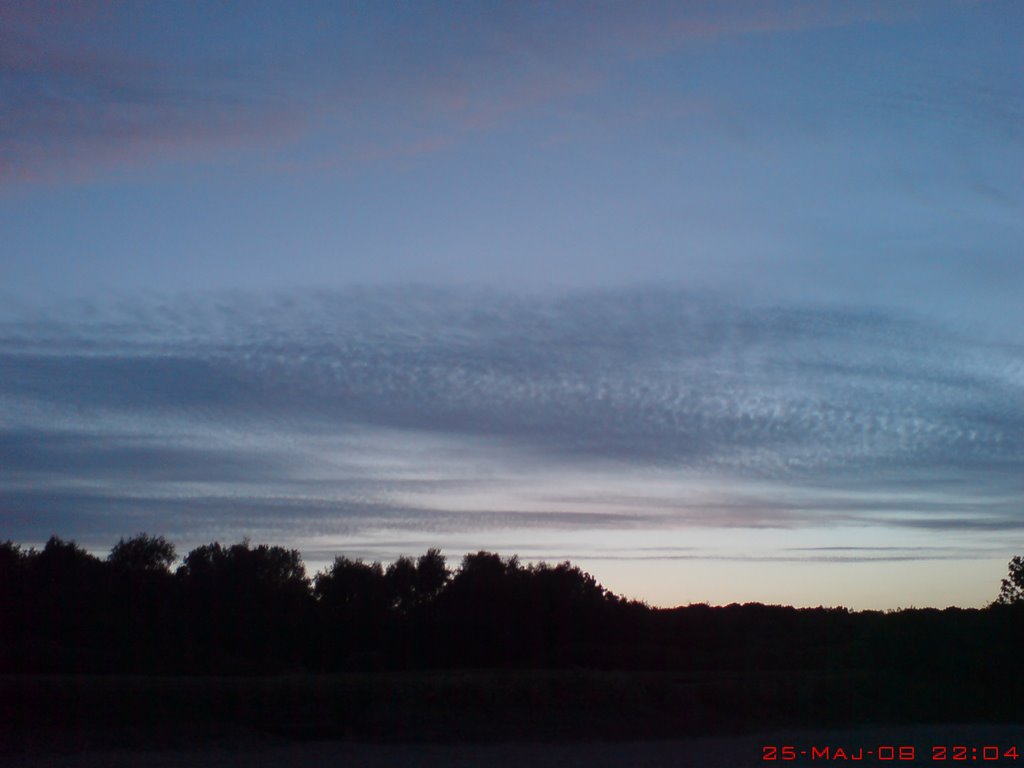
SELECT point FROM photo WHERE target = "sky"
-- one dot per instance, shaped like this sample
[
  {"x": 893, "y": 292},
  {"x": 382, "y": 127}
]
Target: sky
[{"x": 721, "y": 301}]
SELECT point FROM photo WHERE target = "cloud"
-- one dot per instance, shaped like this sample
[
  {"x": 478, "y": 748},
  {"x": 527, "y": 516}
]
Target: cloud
[
  {"x": 81, "y": 95},
  {"x": 400, "y": 402},
  {"x": 36, "y": 455},
  {"x": 990, "y": 108},
  {"x": 651, "y": 376},
  {"x": 92, "y": 87}
]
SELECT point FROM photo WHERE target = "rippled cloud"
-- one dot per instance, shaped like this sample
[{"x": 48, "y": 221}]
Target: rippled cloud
[{"x": 445, "y": 410}]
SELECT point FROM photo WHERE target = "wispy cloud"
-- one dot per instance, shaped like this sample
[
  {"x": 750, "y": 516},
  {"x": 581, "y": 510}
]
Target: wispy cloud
[
  {"x": 362, "y": 405},
  {"x": 974, "y": 107},
  {"x": 75, "y": 101},
  {"x": 83, "y": 92}
]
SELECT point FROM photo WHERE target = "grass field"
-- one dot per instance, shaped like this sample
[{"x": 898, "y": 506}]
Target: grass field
[
  {"x": 737, "y": 751},
  {"x": 55, "y": 715}
]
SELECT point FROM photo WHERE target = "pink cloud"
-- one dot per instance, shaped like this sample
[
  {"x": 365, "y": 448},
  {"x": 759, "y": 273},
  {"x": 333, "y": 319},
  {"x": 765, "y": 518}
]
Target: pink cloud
[
  {"x": 82, "y": 109},
  {"x": 527, "y": 62}
]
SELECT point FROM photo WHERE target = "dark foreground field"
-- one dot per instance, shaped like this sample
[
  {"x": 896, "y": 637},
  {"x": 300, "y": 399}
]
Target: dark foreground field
[
  {"x": 704, "y": 752},
  {"x": 473, "y": 718}
]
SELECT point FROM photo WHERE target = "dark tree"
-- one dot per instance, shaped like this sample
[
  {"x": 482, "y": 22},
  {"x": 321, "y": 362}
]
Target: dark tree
[
  {"x": 63, "y": 560},
  {"x": 1011, "y": 589},
  {"x": 12, "y": 563},
  {"x": 67, "y": 605},
  {"x": 400, "y": 578},
  {"x": 352, "y": 586},
  {"x": 432, "y": 576},
  {"x": 145, "y": 615},
  {"x": 246, "y": 567},
  {"x": 413, "y": 584},
  {"x": 143, "y": 552},
  {"x": 354, "y": 600},
  {"x": 482, "y": 608},
  {"x": 486, "y": 573},
  {"x": 13, "y": 572},
  {"x": 248, "y": 606}
]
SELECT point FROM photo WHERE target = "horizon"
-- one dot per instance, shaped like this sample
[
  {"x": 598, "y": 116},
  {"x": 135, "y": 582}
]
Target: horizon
[
  {"x": 719, "y": 302},
  {"x": 454, "y": 562}
]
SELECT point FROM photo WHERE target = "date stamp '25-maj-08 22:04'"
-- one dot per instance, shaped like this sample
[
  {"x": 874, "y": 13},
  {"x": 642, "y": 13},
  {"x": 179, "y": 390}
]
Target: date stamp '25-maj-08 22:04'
[{"x": 987, "y": 753}]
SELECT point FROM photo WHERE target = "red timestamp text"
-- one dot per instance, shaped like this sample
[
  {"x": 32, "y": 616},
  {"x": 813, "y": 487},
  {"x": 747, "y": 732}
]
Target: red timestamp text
[
  {"x": 967, "y": 753},
  {"x": 881, "y": 753}
]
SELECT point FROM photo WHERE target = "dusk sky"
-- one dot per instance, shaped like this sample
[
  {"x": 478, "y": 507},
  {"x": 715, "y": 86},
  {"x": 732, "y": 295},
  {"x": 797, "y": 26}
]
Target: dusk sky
[{"x": 723, "y": 302}]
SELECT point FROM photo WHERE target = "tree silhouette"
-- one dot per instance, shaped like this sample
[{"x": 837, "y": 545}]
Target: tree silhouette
[
  {"x": 1011, "y": 588},
  {"x": 12, "y": 565},
  {"x": 13, "y": 603},
  {"x": 143, "y": 552},
  {"x": 67, "y": 604},
  {"x": 354, "y": 599},
  {"x": 400, "y": 581},
  {"x": 243, "y": 609},
  {"x": 432, "y": 576},
  {"x": 413, "y": 584},
  {"x": 352, "y": 586},
  {"x": 248, "y": 606},
  {"x": 144, "y": 613},
  {"x": 64, "y": 561}
]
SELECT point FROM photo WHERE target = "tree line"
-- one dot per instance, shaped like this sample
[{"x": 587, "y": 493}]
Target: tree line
[
  {"x": 246, "y": 608},
  {"x": 242, "y": 609}
]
